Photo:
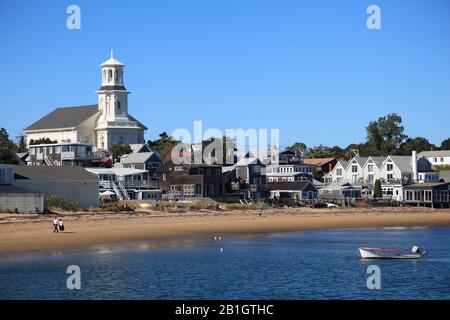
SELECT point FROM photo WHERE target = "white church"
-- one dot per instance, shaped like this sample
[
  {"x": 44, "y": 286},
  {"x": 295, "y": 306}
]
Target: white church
[{"x": 101, "y": 125}]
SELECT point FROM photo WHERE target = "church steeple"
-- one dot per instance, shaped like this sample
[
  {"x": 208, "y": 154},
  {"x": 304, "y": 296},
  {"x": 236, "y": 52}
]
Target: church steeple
[{"x": 112, "y": 95}]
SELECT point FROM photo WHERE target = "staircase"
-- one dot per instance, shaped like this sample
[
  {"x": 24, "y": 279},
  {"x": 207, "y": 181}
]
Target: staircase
[
  {"x": 117, "y": 191},
  {"x": 124, "y": 191},
  {"x": 48, "y": 161}
]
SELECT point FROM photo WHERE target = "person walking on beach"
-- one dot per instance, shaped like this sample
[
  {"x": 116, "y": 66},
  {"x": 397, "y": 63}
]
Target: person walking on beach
[
  {"x": 55, "y": 225},
  {"x": 61, "y": 225}
]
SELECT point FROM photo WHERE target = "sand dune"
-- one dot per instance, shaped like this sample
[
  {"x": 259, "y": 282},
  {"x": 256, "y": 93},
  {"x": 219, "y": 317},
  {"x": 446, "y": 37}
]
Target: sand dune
[{"x": 34, "y": 232}]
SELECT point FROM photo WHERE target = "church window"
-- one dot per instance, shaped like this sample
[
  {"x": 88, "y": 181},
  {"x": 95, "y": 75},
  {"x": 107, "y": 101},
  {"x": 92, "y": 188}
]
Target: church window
[{"x": 110, "y": 75}]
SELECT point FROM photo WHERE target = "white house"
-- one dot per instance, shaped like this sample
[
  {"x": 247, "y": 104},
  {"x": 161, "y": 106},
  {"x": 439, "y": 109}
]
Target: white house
[
  {"x": 337, "y": 173},
  {"x": 101, "y": 125},
  {"x": 354, "y": 171},
  {"x": 437, "y": 158}
]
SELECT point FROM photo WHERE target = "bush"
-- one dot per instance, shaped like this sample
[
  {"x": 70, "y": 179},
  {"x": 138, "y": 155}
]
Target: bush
[{"x": 54, "y": 201}]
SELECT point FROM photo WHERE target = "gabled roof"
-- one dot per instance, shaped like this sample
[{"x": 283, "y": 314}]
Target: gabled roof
[
  {"x": 318, "y": 161},
  {"x": 140, "y": 147},
  {"x": 67, "y": 117},
  {"x": 361, "y": 160},
  {"x": 378, "y": 161},
  {"x": 402, "y": 162},
  {"x": 140, "y": 157},
  {"x": 53, "y": 173},
  {"x": 445, "y": 175}
]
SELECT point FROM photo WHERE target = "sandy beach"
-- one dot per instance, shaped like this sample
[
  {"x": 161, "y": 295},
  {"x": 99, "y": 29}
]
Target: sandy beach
[{"x": 34, "y": 232}]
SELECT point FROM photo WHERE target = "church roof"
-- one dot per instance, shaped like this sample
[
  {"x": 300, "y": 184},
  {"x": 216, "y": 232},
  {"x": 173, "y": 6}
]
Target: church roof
[
  {"x": 112, "y": 61},
  {"x": 67, "y": 117}
]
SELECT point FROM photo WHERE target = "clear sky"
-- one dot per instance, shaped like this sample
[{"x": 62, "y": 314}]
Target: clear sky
[{"x": 310, "y": 68}]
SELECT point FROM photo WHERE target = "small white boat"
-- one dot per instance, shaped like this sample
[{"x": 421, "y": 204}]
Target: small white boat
[{"x": 378, "y": 253}]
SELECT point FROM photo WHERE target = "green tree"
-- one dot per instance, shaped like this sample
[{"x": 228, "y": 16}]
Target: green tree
[
  {"x": 163, "y": 145},
  {"x": 297, "y": 146},
  {"x": 326, "y": 152},
  {"x": 22, "y": 145},
  {"x": 386, "y": 134},
  {"x": 445, "y": 145},
  {"x": 119, "y": 150},
  {"x": 7, "y": 148},
  {"x": 418, "y": 144},
  {"x": 377, "y": 192}
]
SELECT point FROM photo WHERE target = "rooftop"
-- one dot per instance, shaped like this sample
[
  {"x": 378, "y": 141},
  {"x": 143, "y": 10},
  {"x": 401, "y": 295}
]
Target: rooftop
[{"x": 52, "y": 173}]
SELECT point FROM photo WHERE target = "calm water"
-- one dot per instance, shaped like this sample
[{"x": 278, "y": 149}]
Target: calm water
[{"x": 307, "y": 265}]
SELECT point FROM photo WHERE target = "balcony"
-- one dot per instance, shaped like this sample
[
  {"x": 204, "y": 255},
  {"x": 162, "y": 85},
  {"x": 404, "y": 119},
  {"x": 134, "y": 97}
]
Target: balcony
[
  {"x": 130, "y": 185},
  {"x": 73, "y": 155}
]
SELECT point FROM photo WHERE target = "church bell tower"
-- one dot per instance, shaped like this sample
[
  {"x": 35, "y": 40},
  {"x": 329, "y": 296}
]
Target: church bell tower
[{"x": 112, "y": 95}]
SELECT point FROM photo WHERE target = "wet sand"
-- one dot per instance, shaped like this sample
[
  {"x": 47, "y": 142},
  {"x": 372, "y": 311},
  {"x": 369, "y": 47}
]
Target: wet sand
[{"x": 19, "y": 233}]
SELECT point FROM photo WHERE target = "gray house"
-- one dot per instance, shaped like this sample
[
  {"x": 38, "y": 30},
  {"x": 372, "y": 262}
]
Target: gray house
[
  {"x": 142, "y": 158},
  {"x": 71, "y": 183},
  {"x": 16, "y": 199}
]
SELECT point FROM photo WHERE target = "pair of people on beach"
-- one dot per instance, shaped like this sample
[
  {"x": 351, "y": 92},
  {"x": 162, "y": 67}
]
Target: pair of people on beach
[{"x": 58, "y": 225}]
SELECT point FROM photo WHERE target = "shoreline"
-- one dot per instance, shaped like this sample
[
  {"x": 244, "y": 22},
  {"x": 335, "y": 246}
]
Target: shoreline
[{"x": 33, "y": 233}]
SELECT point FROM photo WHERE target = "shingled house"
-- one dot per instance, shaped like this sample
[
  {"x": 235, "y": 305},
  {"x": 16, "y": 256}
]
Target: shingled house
[{"x": 190, "y": 180}]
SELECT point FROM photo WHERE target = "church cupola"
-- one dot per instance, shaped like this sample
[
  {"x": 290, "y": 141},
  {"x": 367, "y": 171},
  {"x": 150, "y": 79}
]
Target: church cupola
[
  {"x": 112, "y": 73},
  {"x": 112, "y": 95}
]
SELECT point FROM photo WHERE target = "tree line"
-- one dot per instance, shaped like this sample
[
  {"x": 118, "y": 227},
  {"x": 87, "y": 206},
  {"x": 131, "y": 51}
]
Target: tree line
[{"x": 384, "y": 137}]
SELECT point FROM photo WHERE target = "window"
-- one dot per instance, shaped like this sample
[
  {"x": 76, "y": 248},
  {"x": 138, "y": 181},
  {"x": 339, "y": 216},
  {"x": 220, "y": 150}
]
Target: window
[
  {"x": 435, "y": 160},
  {"x": 121, "y": 140},
  {"x": 442, "y": 159},
  {"x": 390, "y": 167},
  {"x": 257, "y": 169},
  {"x": 354, "y": 168},
  {"x": 118, "y": 104},
  {"x": 189, "y": 189},
  {"x": 339, "y": 172},
  {"x": 390, "y": 176},
  {"x": 109, "y": 75},
  {"x": 164, "y": 177},
  {"x": 178, "y": 168},
  {"x": 370, "y": 168}
]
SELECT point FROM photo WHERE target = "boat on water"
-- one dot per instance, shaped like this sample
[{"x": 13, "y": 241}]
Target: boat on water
[{"x": 378, "y": 253}]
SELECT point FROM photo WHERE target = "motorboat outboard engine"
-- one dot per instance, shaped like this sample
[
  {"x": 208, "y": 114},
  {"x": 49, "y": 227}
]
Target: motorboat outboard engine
[{"x": 416, "y": 250}]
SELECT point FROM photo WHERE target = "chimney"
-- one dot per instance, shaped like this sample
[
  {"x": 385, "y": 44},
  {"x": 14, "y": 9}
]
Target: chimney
[{"x": 414, "y": 166}]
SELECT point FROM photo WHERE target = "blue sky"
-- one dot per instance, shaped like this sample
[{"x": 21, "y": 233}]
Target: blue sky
[{"x": 310, "y": 68}]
